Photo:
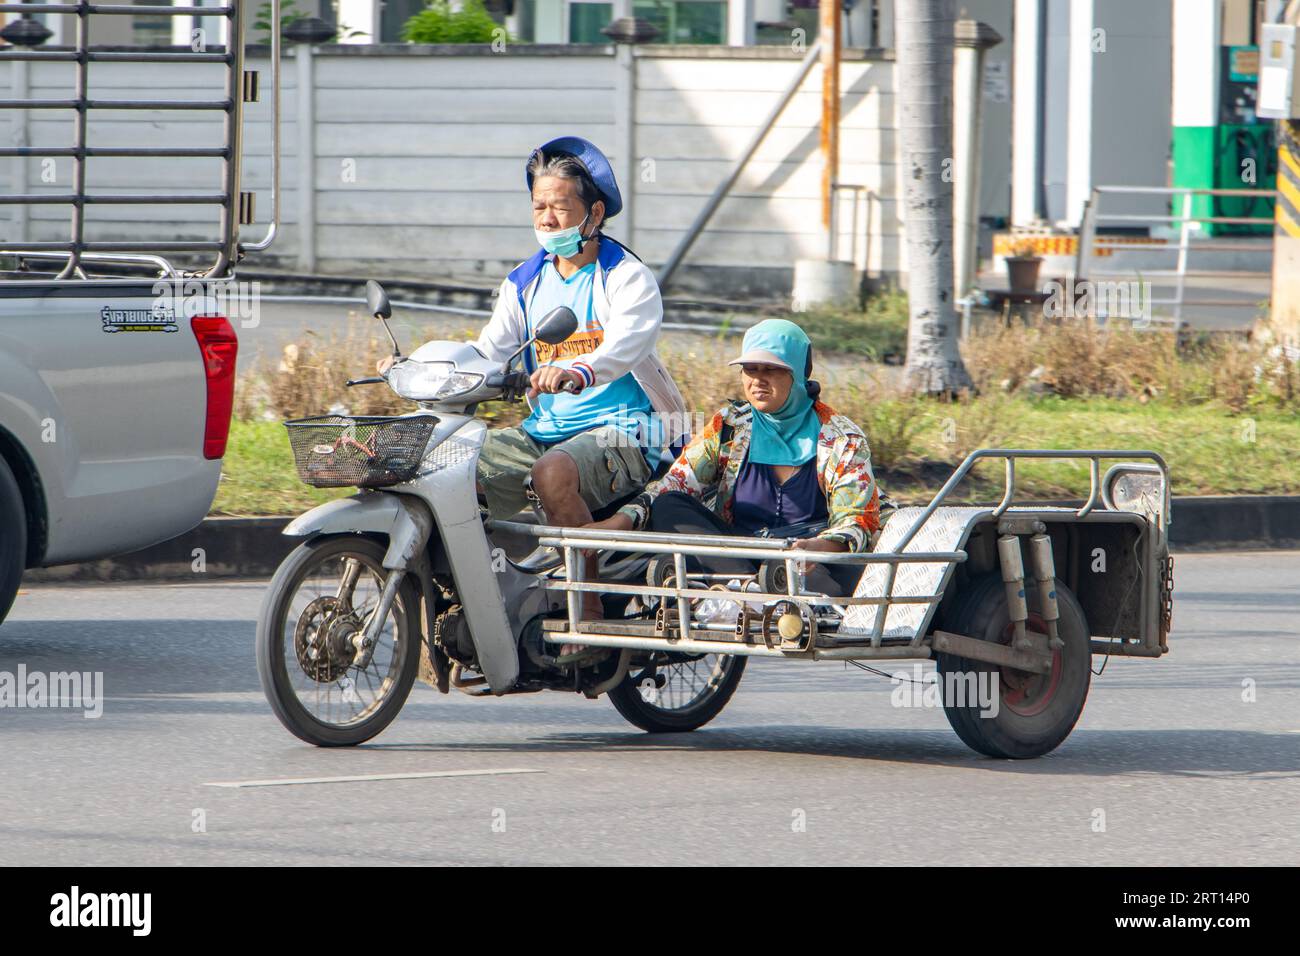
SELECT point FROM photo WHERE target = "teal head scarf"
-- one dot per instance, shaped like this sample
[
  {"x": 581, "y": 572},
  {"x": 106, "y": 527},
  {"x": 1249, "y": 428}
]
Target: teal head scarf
[{"x": 787, "y": 436}]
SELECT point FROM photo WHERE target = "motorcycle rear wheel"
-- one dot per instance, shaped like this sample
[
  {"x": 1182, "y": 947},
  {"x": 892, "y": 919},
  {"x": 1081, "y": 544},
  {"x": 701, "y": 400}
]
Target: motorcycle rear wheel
[
  {"x": 681, "y": 693},
  {"x": 309, "y": 670}
]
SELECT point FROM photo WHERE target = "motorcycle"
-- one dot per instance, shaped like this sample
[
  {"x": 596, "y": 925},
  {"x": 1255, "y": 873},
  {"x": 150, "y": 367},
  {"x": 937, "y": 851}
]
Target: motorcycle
[
  {"x": 409, "y": 575},
  {"x": 408, "y": 571}
]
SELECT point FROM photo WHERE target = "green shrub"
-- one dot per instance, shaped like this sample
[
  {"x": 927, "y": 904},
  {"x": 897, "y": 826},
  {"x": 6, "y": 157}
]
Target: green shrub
[{"x": 438, "y": 23}]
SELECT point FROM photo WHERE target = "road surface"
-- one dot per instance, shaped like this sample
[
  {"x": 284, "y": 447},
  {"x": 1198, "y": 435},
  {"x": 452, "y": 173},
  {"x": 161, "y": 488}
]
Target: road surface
[{"x": 808, "y": 764}]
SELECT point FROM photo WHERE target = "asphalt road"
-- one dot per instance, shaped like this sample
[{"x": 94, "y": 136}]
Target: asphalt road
[{"x": 1182, "y": 768}]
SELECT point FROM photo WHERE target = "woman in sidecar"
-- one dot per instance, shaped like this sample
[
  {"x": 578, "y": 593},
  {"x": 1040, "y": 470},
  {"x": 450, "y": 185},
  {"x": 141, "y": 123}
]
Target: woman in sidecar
[{"x": 782, "y": 463}]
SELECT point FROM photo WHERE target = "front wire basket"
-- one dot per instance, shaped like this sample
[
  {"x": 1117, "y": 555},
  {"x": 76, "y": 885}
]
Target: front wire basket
[{"x": 368, "y": 451}]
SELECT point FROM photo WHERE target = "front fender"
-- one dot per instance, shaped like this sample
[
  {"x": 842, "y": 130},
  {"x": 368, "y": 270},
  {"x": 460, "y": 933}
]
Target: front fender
[{"x": 404, "y": 520}]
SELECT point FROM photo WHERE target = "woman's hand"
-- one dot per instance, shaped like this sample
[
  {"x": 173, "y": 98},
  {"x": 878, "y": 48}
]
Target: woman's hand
[
  {"x": 615, "y": 522},
  {"x": 819, "y": 544},
  {"x": 384, "y": 364}
]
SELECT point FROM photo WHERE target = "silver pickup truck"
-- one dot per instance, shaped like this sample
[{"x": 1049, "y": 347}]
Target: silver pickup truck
[{"x": 116, "y": 366}]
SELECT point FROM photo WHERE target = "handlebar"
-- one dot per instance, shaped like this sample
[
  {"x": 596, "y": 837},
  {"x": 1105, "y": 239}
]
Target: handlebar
[{"x": 372, "y": 380}]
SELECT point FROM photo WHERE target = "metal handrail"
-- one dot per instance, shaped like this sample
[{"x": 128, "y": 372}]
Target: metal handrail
[
  {"x": 573, "y": 541},
  {"x": 1011, "y": 454},
  {"x": 1089, "y": 241}
]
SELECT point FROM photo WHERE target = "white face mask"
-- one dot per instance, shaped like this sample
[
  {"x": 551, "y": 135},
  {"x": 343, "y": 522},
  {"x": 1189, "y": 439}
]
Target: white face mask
[{"x": 563, "y": 242}]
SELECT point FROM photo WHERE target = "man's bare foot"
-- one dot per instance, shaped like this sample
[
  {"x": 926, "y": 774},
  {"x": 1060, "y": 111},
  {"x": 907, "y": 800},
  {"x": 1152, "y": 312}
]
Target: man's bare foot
[{"x": 592, "y": 610}]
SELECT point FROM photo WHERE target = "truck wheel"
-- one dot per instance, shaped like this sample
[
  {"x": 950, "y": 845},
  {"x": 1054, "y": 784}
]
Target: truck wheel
[
  {"x": 678, "y": 692},
  {"x": 1035, "y": 712},
  {"x": 320, "y": 598},
  {"x": 13, "y": 538}
]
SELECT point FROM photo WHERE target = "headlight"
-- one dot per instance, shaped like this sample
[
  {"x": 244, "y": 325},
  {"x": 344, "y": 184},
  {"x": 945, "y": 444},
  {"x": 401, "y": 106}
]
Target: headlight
[{"x": 431, "y": 381}]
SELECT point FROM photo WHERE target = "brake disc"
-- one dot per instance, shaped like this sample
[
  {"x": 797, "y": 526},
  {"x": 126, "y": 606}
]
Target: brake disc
[{"x": 322, "y": 640}]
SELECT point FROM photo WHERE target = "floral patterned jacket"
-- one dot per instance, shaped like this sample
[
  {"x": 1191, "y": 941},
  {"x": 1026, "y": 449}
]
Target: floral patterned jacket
[{"x": 843, "y": 473}]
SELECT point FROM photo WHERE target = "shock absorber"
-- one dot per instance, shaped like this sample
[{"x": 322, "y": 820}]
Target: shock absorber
[
  {"x": 1013, "y": 577},
  {"x": 1040, "y": 556}
]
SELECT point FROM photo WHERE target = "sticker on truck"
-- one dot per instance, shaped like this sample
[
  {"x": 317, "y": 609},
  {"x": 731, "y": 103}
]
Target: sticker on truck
[{"x": 156, "y": 319}]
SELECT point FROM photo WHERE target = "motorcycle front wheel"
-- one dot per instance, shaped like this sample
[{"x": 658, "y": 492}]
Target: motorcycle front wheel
[{"x": 321, "y": 687}]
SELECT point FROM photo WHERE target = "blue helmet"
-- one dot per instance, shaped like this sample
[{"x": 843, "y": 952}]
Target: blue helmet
[{"x": 595, "y": 162}]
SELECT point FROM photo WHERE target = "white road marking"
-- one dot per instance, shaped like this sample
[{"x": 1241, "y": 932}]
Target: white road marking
[{"x": 362, "y": 778}]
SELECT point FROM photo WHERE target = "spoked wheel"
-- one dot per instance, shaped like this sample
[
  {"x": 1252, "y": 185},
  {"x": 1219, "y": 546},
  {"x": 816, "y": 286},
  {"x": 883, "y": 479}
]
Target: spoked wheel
[
  {"x": 675, "y": 692},
  {"x": 324, "y": 687},
  {"x": 1034, "y": 712}
]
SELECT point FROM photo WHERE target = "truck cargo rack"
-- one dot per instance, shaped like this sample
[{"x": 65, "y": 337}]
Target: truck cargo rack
[{"x": 236, "y": 207}]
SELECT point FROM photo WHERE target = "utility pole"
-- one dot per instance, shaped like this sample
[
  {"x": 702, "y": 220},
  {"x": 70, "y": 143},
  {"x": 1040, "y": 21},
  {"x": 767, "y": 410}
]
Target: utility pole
[{"x": 924, "y": 44}]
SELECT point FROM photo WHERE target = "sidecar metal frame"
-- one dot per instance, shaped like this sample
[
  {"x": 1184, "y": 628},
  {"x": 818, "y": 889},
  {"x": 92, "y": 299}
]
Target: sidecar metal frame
[{"x": 911, "y": 574}]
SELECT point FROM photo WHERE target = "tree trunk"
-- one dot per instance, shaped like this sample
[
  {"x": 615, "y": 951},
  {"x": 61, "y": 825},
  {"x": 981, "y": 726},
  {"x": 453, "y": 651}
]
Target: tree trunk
[{"x": 923, "y": 43}]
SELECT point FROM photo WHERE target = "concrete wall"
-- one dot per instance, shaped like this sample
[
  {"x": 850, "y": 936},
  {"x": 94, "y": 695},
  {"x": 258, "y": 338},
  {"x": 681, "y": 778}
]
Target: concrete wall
[{"x": 419, "y": 152}]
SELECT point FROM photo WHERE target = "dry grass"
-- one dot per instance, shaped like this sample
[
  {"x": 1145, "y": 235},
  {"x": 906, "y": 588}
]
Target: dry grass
[
  {"x": 1074, "y": 361},
  {"x": 1082, "y": 360},
  {"x": 1222, "y": 411}
]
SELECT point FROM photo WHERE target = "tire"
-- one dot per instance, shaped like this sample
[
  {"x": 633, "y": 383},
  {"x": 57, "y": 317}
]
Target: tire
[
  {"x": 13, "y": 538},
  {"x": 629, "y": 700},
  {"x": 277, "y": 669},
  {"x": 1035, "y": 712}
]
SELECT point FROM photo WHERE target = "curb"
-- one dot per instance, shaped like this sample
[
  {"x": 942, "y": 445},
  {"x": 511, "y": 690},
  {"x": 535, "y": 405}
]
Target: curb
[{"x": 254, "y": 547}]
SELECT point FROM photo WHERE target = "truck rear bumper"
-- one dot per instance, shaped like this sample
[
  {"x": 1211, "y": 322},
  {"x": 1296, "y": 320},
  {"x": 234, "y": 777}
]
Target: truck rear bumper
[{"x": 132, "y": 516}]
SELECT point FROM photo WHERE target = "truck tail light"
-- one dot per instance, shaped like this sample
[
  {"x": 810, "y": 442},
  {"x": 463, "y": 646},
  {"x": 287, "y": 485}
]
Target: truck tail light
[{"x": 218, "y": 345}]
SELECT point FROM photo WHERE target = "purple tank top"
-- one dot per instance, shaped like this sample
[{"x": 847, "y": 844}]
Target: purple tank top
[{"x": 760, "y": 501}]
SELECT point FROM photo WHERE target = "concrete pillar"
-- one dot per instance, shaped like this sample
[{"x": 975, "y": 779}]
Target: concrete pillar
[
  {"x": 306, "y": 126},
  {"x": 549, "y": 23},
  {"x": 971, "y": 39},
  {"x": 626, "y": 32},
  {"x": 1078, "y": 177},
  {"x": 182, "y": 27},
  {"x": 215, "y": 29},
  {"x": 624, "y": 150},
  {"x": 1194, "y": 112},
  {"x": 857, "y": 26},
  {"x": 740, "y": 23},
  {"x": 1026, "y": 108},
  {"x": 360, "y": 15},
  {"x": 886, "y": 23}
]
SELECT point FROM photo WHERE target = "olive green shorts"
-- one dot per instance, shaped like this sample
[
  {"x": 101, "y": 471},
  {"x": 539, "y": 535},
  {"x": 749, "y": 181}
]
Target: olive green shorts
[{"x": 610, "y": 466}]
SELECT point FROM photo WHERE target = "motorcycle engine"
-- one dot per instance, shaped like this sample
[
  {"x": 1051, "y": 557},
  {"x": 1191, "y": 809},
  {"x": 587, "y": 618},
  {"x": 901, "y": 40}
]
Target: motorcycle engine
[{"x": 451, "y": 633}]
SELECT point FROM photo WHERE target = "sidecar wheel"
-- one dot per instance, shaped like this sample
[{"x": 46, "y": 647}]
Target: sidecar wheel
[
  {"x": 1035, "y": 712},
  {"x": 678, "y": 692},
  {"x": 309, "y": 669}
]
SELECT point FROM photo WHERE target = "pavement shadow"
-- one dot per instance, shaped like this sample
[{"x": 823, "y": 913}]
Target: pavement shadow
[{"x": 1093, "y": 753}]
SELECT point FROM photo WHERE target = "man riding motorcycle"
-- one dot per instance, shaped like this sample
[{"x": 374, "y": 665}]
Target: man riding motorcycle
[{"x": 605, "y": 410}]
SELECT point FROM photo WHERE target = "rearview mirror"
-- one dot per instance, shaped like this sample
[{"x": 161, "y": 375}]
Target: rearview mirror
[
  {"x": 557, "y": 326},
  {"x": 377, "y": 300}
]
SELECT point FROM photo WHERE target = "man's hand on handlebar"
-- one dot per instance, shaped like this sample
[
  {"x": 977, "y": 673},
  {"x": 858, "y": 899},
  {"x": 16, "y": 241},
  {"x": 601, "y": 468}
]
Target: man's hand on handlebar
[
  {"x": 384, "y": 364},
  {"x": 550, "y": 379}
]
